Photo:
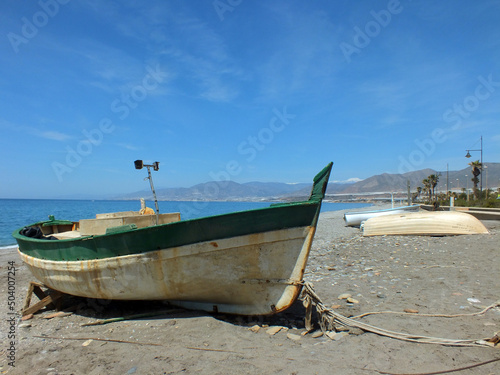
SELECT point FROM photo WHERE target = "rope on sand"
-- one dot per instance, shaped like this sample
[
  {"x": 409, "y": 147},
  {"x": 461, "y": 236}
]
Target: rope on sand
[
  {"x": 329, "y": 320},
  {"x": 492, "y": 306}
]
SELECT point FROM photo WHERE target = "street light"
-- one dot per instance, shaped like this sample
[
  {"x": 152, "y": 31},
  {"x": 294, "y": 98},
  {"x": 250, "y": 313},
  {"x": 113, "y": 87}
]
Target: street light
[
  {"x": 486, "y": 179},
  {"x": 468, "y": 156},
  {"x": 467, "y": 189}
]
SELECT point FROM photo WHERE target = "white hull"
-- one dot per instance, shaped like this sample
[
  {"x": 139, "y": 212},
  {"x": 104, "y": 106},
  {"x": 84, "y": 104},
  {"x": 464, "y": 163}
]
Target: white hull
[
  {"x": 438, "y": 223},
  {"x": 251, "y": 274},
  {"x": 354, "y": 219}
]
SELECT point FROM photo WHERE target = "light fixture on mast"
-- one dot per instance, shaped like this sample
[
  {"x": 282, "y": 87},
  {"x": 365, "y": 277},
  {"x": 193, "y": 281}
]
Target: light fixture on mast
[{"x": 156, "y": 165}]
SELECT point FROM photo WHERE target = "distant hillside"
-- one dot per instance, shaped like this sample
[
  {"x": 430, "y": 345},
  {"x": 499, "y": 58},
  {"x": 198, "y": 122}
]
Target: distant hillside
[
  {"x": 333, "y": 188},
  {"x": 388, "y": 182},
  {"x": 398, "y": 182},
  {"x": 458, "y": 179},
  {"x": 233, "y": 191},
  {"x": 224, "y": 190}
]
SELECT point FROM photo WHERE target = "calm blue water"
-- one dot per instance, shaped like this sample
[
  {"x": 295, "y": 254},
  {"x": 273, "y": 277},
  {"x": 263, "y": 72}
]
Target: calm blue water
[{"x": 16, "y": 213}]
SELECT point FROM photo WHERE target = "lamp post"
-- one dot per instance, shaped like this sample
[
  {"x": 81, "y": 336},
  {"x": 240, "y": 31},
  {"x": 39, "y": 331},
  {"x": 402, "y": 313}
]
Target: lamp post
[
  {"x": 467, "y": 189},
  {"x": 486, "y": 180},
  {"x": 469, "y": 155}
]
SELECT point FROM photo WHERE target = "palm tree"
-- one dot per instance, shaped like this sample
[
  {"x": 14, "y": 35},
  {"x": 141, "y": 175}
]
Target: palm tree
[
  {"x": 476, "y": 171},
  {"x": 427, "y": 186},
  {"x": 477, "y": 167},
  {"x": 433, "y": 180},
  {"x": 415, "y": 195},
  {"x": 430, "y": 184}
]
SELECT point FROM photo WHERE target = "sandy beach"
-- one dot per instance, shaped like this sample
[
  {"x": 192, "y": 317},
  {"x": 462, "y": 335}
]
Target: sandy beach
[{"x": 450, "y": 276}]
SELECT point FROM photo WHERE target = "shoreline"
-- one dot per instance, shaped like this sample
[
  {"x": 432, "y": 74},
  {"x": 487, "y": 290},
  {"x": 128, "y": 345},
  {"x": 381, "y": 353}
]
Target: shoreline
[{"x": 8, "y": 247}]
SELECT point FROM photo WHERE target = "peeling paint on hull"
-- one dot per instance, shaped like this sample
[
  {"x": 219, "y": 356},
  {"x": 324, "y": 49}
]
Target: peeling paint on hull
[{"x": 253, "y": 274}]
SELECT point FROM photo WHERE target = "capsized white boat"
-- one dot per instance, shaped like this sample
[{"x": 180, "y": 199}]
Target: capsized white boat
[
  {"x": 354, "y": 219},
  {"x": 437, "y": 223}
]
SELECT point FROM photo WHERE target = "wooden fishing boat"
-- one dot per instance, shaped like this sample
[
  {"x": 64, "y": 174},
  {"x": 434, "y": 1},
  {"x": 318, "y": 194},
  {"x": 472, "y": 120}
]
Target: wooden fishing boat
[
  {"x": 437, "y": 223},
  {"x": 354, "y": 219},
  {"x": 249, "y": 262}
]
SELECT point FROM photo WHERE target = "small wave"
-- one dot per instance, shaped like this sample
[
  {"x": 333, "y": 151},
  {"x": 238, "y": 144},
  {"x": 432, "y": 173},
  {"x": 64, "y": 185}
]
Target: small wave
[{"x": 8, "y": 247}]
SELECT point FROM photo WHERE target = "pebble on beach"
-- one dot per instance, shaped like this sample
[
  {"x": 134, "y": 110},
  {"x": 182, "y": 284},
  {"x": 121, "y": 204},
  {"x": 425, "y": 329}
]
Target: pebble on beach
[{"x": 344, "y": 296}]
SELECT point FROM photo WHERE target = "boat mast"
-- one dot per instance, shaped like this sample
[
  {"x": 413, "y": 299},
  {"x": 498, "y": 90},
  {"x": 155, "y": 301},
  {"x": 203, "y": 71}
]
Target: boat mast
[{"x": 156, "y": 165}]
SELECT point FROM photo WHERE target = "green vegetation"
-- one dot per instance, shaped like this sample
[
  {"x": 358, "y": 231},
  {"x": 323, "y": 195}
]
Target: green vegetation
[
  {"x": 477, "y": 198},
  {"x": 477, "y": 167},
  {"x": 430, "y": 184},
  {"x": 488, "y": 198}
]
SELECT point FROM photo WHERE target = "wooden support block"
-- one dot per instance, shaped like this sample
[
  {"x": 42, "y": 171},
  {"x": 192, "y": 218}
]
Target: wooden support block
[
  {"x": 39, "y": 292},
  {"x": 31, "y": 289},
  {"x": 47, "y": 298}
]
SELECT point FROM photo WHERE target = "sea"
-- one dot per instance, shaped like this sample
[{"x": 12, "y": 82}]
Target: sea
[{"x": 16, "y": 213}]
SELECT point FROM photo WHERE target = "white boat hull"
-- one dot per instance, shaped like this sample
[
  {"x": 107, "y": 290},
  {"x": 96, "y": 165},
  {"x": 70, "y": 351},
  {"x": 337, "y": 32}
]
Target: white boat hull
[
  {"x": 251, "y": 274},
  {"x": 438, "y": 223},
  {"x": 354, "y": 219}
]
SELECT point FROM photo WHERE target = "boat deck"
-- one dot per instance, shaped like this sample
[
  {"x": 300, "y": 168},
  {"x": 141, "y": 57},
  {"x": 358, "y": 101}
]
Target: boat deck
[
  {"x": 67, "y": 235},
  {"x": 106, "y": 223}
]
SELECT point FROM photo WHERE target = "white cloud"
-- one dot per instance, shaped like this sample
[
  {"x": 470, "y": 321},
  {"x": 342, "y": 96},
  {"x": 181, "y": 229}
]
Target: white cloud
[
  {"x": 195, "y": 54},
  {"x": 299, "y": 60},
  {"x": 128, "y": 146},
  {"x": 54, "y": 135},
  {"x": 206, "y": 63}
]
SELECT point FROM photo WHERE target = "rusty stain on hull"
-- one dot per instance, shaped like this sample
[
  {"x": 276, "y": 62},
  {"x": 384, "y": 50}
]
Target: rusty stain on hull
[{"x": 252, "y": 274}]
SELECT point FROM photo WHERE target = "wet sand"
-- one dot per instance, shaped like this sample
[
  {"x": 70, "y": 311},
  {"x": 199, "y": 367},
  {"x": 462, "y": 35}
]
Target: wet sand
[{"x": 428, "y": 275}]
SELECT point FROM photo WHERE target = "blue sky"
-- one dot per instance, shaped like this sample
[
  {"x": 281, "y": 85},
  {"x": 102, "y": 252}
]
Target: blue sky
[{"x": 247, "y": 90}]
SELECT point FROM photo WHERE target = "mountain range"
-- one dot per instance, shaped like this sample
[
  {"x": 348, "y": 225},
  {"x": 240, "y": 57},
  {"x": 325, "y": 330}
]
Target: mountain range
[
  {"x": 448, "y": 180},
  {"x": 264, "y": 191}
]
